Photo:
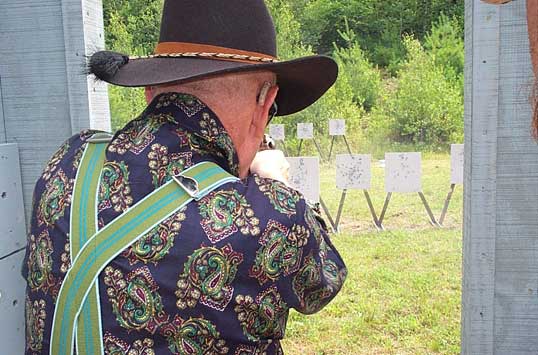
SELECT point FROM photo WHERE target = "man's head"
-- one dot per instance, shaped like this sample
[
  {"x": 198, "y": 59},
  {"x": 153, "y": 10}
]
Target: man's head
[
  {"x": 242, "y": 102},
  {"x": 205, "y": 39}
]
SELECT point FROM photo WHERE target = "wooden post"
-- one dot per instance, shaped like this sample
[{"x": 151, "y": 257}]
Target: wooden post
[
  {"x": 46, "y": 97},
  {"x": 500, "y": 232},
  {"x": 13, "y": 239}
]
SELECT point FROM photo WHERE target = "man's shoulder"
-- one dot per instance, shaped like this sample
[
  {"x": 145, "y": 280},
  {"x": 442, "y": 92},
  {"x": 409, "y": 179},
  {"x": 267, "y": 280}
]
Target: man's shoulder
[
  {"x": 275, "y": 198},
  {"x": 65, "y": 159}
]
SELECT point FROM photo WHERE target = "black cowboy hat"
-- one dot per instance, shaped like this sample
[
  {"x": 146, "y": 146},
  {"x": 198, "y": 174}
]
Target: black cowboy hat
[{"x": 205, "y": 38}]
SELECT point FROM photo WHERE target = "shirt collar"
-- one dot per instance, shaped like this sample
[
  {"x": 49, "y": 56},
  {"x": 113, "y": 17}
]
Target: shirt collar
[{"x": 197, "y": 126}]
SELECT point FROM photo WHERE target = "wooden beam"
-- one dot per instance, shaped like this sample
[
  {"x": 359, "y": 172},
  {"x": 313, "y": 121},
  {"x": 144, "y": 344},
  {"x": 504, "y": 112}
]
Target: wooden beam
[
  {"x": 500, "y": 263},
  {"x": 46, "y": 95},
  {"x": 481, "y": 114}
]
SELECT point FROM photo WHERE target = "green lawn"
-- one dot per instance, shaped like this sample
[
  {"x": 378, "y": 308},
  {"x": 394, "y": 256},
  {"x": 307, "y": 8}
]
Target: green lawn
[{"x": 403, "y": 292}]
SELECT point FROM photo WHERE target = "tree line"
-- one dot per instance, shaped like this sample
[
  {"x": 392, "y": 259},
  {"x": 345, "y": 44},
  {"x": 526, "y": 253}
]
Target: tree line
[{"x": 401, "y": 63}]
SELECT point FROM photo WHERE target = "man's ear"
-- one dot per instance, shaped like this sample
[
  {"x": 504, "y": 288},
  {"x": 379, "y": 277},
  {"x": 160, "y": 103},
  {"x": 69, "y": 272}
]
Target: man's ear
[
  {"x": 267, "y": 97},
  {"x": 148, "y": 93}
]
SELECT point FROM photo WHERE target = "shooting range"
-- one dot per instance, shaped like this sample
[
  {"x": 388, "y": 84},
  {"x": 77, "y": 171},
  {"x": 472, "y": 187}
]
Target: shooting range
[{"x": 45, "y": 99}]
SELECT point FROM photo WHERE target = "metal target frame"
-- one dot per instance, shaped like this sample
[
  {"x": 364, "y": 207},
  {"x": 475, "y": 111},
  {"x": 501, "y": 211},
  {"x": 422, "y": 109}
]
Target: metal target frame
[{"x": 390, "y": 190}]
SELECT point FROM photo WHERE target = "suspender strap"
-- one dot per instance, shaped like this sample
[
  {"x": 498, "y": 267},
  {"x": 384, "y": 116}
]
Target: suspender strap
[
  {"x": 83, "y": 225},
  {"x": 98, "y": 250}
]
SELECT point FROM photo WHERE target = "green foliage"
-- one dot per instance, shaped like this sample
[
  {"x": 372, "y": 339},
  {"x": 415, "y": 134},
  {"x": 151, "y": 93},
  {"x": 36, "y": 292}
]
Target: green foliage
[
  {"x": 445, "y": 43},
  {"x": 379, "y": 24},
  {"x": 288, "y": 31},
  {"x": 132, "y": 27},
  {"x": 132, "y": 22},
  {"x": 364, "y": 78},
  {"x": 423, "y": 106},
  {"x": 125, "y": 104},
  {"x": 336, "y": 103}
]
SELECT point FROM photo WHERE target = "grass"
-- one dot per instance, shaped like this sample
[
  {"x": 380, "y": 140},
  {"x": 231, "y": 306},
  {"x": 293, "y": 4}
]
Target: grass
[{"x": 403, "y": 292}]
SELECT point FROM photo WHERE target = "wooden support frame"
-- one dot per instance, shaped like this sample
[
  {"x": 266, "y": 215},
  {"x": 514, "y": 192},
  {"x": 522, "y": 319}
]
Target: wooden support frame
[
  {"x": 446, "y": 204},
  {"x": 328, "y": 214},
  {"x": 284, "y": 148},
  {"x": 332, "y": 144},
  {"x": 425, "y": 203},
  {"x": 370, "y": 207},
  {"x": 315, "y": 143}
]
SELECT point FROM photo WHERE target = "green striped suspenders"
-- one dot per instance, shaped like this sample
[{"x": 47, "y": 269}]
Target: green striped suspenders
[{"x": 77, "y": 316}]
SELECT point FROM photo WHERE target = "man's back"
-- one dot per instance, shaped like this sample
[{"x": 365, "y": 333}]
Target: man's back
[{"x": 217, "y": 277}]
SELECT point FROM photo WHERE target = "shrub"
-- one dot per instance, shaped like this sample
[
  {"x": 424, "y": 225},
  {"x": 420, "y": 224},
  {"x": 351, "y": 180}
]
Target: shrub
[
  {"x": 336, "y": 103},
  {"x": 445, "y": 43},
  {"x": 125, "y": 103},
  {"x": 364, "y": 78},
  {"x": 423, "y": 106}
]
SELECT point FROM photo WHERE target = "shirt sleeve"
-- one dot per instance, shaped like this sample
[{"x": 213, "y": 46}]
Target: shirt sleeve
[{"x": 321, "y": 272}]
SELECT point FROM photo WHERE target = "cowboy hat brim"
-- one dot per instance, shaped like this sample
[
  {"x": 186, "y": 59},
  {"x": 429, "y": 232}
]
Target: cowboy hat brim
[{"x": 301, "y": 81}]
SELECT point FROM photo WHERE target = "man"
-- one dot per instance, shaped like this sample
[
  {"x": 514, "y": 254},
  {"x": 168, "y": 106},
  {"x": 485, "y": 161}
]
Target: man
[{"x": 220, "y": 273}]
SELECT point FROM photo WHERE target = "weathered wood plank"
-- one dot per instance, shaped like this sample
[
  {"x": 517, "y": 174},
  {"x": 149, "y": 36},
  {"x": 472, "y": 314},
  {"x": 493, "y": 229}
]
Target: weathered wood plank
[
  {"x": 500, "y": 286},
  {"x": 12, "y": 287},
  {"x": 46, "y": 96},
  {"x": 481, "y": 111},
  {"x": 516, "y": 279},
  {"x": 2, "y": 122},
  {"x": 12, "y": 230}
]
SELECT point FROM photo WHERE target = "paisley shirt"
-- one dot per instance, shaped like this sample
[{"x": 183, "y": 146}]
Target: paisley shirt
[{"x": 217, "y": 277}]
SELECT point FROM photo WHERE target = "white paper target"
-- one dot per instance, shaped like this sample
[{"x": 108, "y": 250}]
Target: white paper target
[
  {"x": 456, "y": 163},
  {"x": 305, "y": 130},
  {"x": 304, "y": 176},
  {"x": 277, "y": 132},
  {"x": 403, "y": 172},
  {"x": 337, "y": 127},
  {"x": 353, "y": 171}
]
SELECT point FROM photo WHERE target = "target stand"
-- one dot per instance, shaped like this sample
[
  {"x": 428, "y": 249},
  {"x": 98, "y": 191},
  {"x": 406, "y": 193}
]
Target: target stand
[
  {"x": 403, "y": 174},
  {"x": 433, "y": 221},
  {"x": 278, "y": 133},
  {"x": 337, "y": 128},
  {"x": 457, "y": 154},
  {"x": 353, "y": 172},
  {"x": 305, "y": 131},
  {"x": 377, "y": 224},
  {"x": 332, "y": 144},
  {"x": 283, "y": 145},
  {"x": 447, "y": 203},
  {"x": 315, "y": 143},
  {"x": 334, "y": 226}
]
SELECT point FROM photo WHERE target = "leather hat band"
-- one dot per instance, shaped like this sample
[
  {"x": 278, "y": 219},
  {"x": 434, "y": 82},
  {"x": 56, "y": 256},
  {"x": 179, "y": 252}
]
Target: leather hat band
[{"x": 182, "y": 49}]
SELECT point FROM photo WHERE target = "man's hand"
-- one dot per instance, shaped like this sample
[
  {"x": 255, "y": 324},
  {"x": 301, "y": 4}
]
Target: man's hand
[{"x": 271, "y": 164}]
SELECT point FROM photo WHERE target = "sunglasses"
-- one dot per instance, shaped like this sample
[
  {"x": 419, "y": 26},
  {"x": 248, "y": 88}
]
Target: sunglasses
[{"x": 272, "y": 111}]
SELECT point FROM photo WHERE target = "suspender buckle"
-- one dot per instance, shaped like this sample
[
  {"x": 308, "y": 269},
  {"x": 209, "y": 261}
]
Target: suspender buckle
[
  {"x": 188, "y": 184},
  {"x": 100, "y": 137}
]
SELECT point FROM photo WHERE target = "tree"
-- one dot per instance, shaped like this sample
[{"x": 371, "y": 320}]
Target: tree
[{"x": 379, "y": 25}]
